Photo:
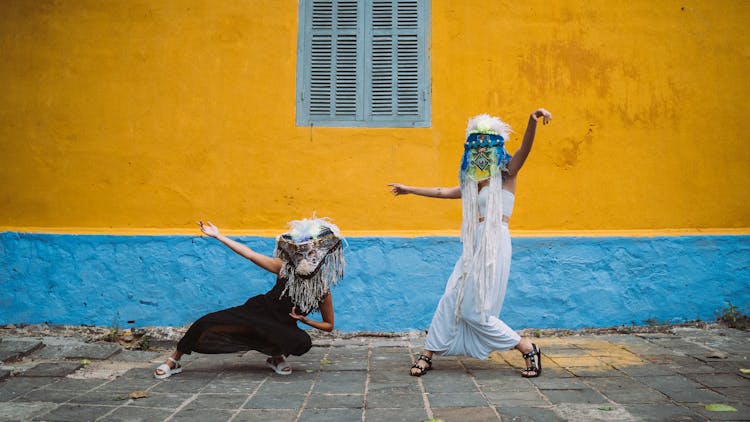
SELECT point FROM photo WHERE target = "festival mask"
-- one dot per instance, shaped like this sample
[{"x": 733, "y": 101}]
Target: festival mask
[
  {"x": 484, "y": 156},
  {"x": 484, "y": 149},
  {"x": 307, "y": 251},
  {"x": 313, "y": 261}
]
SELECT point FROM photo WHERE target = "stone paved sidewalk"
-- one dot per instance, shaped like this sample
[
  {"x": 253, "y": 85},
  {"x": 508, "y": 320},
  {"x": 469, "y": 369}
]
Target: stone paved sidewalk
[{"x": 622, "y": 377}]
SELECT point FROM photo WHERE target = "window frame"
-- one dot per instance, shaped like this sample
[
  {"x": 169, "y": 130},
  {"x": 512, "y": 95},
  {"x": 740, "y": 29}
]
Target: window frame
[{"x": 365, "y": 114}]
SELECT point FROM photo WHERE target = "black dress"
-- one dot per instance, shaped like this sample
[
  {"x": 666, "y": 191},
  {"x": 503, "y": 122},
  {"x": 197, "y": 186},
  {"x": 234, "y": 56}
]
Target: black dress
[{"x": 262, "y": 323}]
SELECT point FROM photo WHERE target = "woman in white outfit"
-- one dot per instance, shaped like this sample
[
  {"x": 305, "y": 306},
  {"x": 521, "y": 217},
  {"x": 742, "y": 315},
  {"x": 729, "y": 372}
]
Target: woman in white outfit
[{"x": 466, "y": 320}]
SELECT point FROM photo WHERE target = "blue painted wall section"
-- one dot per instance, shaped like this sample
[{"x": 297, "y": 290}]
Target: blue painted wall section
[{"x": 391, "y": 283}]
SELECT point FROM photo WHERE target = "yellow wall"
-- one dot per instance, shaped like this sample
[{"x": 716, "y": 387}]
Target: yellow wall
[{"x": 142, "y": 115}]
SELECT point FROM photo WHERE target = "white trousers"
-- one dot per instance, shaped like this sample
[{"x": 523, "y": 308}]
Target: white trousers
[{"x": 469, "y": 333}]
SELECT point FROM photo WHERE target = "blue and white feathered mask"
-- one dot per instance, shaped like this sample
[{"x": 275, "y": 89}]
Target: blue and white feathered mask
[{"x": 484, "y": 149}]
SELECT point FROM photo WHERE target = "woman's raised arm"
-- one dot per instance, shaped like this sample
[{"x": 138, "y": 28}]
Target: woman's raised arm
[
  {"x": 266, "y": 262},
  {"x": 528, "y": 140}
]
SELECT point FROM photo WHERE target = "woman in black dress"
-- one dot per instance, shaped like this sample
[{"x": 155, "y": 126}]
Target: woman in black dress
[{"x": 308, "y": 260}]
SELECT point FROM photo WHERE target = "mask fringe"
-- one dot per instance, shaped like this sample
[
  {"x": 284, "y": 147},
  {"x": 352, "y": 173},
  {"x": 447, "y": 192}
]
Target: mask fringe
[
  {"x": 478, "y": 258},
  {"x": 307, "y": 292}
]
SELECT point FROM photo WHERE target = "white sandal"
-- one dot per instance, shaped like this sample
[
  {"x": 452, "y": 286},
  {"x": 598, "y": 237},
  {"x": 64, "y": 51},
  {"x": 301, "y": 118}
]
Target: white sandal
[
  {"x": 166, "y": 370},
  {"x": 281, "y": 368}
]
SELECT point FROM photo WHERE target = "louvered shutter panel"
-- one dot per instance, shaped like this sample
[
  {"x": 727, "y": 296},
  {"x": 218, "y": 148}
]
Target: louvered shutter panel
[
  {"x": 395, "y": 83},
  {"x": 333, "y": 60}
]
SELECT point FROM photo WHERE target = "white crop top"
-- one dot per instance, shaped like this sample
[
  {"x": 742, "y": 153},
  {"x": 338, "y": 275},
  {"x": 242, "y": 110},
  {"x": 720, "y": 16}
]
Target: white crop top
[{"x": 508, "y": 200}]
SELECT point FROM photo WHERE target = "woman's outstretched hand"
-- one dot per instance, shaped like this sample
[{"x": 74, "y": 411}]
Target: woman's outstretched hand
[
  {"x": 398, "y": 189},
  {"x": 544, "y": 114},
  {"x": 295, "y": 315},
  {"x": 208, "y": 229}
]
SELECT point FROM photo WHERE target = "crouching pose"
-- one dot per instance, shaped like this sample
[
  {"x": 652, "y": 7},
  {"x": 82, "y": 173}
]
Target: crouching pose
[{"x": 308, "y": 260}]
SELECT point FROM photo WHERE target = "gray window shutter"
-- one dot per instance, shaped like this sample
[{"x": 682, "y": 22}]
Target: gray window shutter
[
  {"x": 363, "y": 63},
  {"x": 333, "y": 60},
  {"x": 394, "y": 60}
]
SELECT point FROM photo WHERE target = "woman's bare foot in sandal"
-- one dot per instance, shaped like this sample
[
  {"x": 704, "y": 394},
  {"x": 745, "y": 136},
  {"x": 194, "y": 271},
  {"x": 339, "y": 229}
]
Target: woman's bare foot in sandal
[
  {"x": 422, "y": 365},
  {"x": 279, "y": 365},
  {"x": 533, "y": 357},
  {"x": 170, "y": 367}
]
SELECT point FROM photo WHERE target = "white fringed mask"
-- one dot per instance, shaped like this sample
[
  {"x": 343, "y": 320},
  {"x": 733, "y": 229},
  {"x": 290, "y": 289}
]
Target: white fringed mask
[{"x": 313, "y": 261}]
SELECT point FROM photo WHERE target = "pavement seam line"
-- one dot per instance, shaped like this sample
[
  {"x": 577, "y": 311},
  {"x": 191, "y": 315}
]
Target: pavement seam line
[
  {"x": 666, "y": 394},
  {"x": 127, "y": 402},
  {"x": 582, "y": 379},
  {"x": 614, "y": 403},
  {"x": 312, "y": 385},
  {"x": 367, "y": 381},
  {"x": 249, "y": 397},
  {"x": 67, "y": 401},
  {"x": 588, "y": 383},
  {"x": 129, "y": 399},
  {"x": 536, "y": 387},
  {"x": 476, "y": 384},
  {"x": 190, "y": 400},
  {"x": 425, "y": 400},
  {"x": 660, "y": 378}
]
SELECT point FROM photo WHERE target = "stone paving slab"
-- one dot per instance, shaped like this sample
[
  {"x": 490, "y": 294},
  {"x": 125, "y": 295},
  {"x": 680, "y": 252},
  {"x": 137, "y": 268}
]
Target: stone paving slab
[
  {"x": 52, "y": 369},
  {"x": 276, "y": 415},
  {"x": 25, "y": 411},
  {"x": 17, "y": 386},
  {"x": 74, "y": 384},
  {"x": 663, "y": 412},
  {"x": 74, "y": 412},
  {"x": 528, "y": 414},
  {"x": 14, "y": 349},
  {"x": 408, "y": 414},
  {"x": 586, "y": 378},
  {"x": 742, "y": 413},
  {"x": 132, "y": 413},
  {"x": 47, "y": 395},
  {"x": 466, "y": 414},
  {"x": 516, "y": 398},
  {"x": 96, "y": 351}
]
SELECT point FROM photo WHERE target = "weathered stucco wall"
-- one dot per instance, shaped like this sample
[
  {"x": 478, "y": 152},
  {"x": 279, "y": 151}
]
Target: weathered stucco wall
[
  {"x": 391, "y": 284},
  {"x": 134, "y": 119},
  {"x": 134, "y": 115}
]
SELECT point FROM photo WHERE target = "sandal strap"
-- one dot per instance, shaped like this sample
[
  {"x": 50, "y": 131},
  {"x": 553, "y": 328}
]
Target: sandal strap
[
  {"x": 176, "y": 362},
  {"x": 532, "y": 361},
  {"x": 425, "y": 358},
  {"x": 422, "y": 369}
]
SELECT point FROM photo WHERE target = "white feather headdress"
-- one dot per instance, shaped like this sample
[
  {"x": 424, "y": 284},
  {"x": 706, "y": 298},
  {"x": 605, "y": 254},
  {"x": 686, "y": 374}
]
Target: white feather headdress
[{"x": 484, "y": 123}]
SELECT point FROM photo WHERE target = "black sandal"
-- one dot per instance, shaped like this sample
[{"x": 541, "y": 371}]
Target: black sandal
[
  {"x": 536, "y": 364},
  {"x": 422, "y": 369}
]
